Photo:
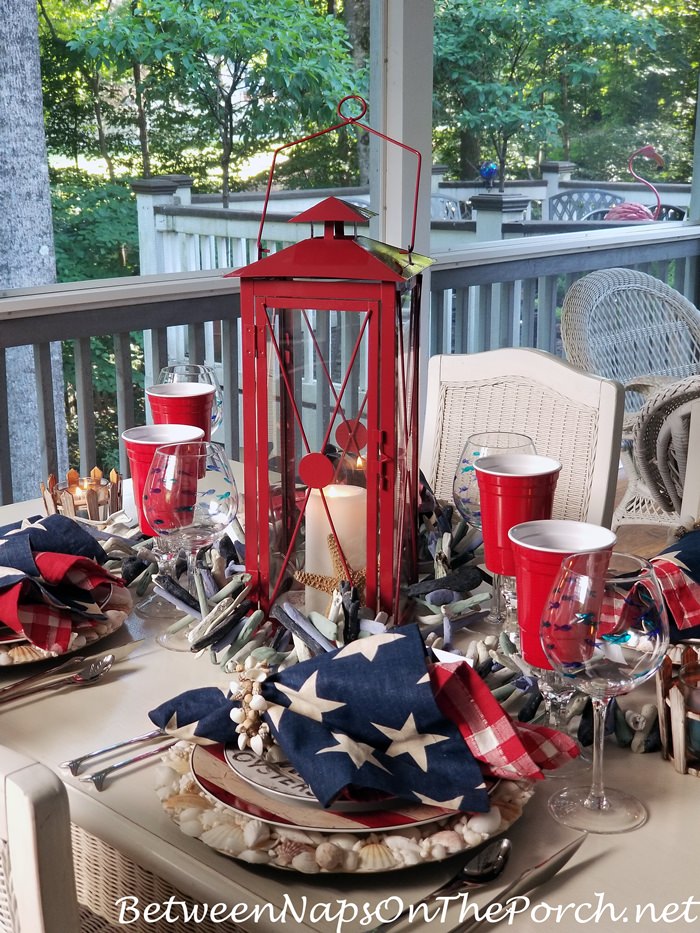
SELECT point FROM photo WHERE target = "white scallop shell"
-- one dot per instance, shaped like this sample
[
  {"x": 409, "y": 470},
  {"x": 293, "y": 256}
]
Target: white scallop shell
[
  {"x": 447, "y": 839},
  {"x": 306, "y": 861},
  {"x": 254, "y": 856},
  {"x": 225, "y": 838},
  {"x": 256, "y": 833},
  {"x": 191, "y": 827},
  {"x": 376, "y": 856},
  {"x": 23, "y": 654}
]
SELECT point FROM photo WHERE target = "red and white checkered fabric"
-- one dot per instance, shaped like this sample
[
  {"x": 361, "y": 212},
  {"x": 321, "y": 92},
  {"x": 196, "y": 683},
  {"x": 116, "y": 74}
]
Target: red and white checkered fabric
[
  {"x": 505, "y": 748},
  {"x": 681, "y": 592},
  {"x": 36, "y": 608}
]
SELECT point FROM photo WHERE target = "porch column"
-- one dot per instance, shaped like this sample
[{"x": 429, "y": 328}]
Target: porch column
[
  {"x": 151, "y": 193},
  {"x": 493, "y": 209},
  {"x": 400, "y": 106},
  {"x": 553, "y": 173}
]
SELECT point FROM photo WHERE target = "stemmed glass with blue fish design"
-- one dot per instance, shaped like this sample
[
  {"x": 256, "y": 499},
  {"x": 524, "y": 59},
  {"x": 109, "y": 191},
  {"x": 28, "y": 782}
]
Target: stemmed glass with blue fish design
[
  {"x": 190, "y": 498},
  {"x": 465, "y": 491},
  {"x": 605, "y": 630}
]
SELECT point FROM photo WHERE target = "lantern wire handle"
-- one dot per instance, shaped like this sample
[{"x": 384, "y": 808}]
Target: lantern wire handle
[{"x": 344, "y": 121}]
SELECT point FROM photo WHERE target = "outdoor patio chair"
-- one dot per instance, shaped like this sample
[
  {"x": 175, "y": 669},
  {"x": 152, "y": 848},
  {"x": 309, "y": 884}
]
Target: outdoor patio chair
[
  {"x": 37, "y": 885},
  {"x": 632, "y": 327},
  {"x": 667, "y": 448},
  {"x": 577, "y": 204},
  {"x": 571, "y": 416}
]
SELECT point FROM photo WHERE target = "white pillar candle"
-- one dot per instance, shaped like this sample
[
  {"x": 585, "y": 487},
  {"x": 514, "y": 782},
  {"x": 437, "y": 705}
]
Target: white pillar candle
[{"x": 348, "y": 508}]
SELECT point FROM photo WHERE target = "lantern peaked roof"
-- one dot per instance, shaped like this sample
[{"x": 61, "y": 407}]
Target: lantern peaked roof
[{"x": 337, "y": 254}]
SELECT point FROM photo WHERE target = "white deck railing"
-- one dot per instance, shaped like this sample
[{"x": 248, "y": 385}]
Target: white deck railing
[{"x": 485, "y": 296}]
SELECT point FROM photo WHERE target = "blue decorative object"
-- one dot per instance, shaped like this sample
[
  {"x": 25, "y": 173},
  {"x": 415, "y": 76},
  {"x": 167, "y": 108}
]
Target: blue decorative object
[{"x": 488, "y": 171}]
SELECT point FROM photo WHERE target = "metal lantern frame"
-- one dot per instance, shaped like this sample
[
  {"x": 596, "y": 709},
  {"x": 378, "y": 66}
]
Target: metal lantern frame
[{"x": 375, "y": 290}]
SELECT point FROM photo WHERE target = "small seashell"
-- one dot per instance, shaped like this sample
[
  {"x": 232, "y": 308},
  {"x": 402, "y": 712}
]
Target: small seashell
[
  {"x": 179, "y": 802},
  {"x": 257, "y": 745},
  {"x": 24, "y": 654},
  {"x": 351, "y": 861},
  {"x": 242, "y": 740},
  {"x": 306, "y": 861},
  {"x": 446, "y": 839},
  {"x": 237, "y": 714},
  {"x": 375, "y": 856},
  {"x": 225, "y": 838},
  {"x": 255, "y": 834},
  {"x": 287, "y": 849},
  {"x": 330, "y": 857},
  {"x": 343, "y": 840},
  {"x": 255, "y": 856},
  {"x": 485, "y": 822},
  {"x": 191, "y": 828},
  {"x": 258, "y": 703}
]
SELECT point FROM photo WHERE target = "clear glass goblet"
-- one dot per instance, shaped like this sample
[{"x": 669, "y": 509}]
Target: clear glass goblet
[
  {"x": 465, "y": 491},
  {"x": 190, "y": 499},
  {"x": 605, "y": 630},
  {"x": 197, "y": 372}
]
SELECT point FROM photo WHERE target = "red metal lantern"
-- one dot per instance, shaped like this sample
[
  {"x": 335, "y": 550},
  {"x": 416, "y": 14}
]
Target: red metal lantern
[{"x": 330, "y": 413}]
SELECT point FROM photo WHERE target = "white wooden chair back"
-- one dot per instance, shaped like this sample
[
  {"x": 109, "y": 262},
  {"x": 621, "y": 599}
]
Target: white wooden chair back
[
  {"x": 571, "y": 416},
  {"x": 37, "y": 884}
]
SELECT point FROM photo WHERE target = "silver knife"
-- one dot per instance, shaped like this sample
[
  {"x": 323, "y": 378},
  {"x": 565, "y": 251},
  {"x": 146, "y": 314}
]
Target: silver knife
[{"x": 530, "y": 879}]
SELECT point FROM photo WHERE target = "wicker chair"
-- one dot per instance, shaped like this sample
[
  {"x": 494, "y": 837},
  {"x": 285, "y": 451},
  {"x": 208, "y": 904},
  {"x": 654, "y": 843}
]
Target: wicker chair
[
  {"x": 663, "y": 448},
  {"x": 630, "y": 326},
  {"x": 571, "y": 416},
  {"x": 37, "y": 886}
]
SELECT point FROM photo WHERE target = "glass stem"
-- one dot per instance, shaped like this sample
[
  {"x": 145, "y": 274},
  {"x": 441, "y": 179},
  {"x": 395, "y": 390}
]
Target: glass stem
[
  {"x": 596, "y": 799},
  {"x": 497, "y": 601}
]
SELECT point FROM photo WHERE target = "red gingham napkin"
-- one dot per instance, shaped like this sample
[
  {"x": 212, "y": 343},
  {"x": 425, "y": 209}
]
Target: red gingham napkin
[
  {"x": 43, "y": 608},
  {"x": 505, "y": 748},
  {"x": 681, "y": 592}
]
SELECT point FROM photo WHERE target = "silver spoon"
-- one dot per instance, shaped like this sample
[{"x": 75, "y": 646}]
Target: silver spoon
[
  {"x": 91, "y": 672},
  {"x": 482, "y": 868}
]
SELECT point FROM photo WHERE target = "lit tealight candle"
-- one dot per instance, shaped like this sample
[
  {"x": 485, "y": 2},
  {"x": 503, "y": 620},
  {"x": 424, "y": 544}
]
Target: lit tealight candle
[{"x": 348, "y": 509}]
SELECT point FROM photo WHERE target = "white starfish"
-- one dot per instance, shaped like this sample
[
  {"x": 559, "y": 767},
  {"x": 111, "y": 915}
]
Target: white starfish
[
  {"x": 366, "y": 646},
  {"x": 358, "y": 752},
  {"x": 306, "y": 702},
  {"x": 408, "y": 741}
]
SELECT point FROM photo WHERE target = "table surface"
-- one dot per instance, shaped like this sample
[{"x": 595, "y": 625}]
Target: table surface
[{"x": 647, "y": 877}]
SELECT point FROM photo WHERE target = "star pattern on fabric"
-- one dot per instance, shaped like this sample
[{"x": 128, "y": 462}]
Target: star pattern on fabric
[
  {"x": 359, "y": 752},
  {"x": 318, "y": 581},
  {"x": 306, "y": 702},
  {"x": 408, "y": 741},
  {"x": 367, "y": 647},
  {"x": 452, "y": 804},
  {"x": 672, "y": 558}
]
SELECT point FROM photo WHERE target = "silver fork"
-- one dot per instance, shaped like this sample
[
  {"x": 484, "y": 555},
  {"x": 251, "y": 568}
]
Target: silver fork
[
  {"x": 98, "y": 777},
  {"x": 74, "y": 764}
]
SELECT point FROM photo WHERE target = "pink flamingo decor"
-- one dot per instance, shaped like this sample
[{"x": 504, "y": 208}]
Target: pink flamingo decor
[{"x": 629, "y": 210}]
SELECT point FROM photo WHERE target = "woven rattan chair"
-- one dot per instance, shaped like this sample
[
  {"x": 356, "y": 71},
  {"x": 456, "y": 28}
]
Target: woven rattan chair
[
  {"x": 667, "y": 456},
  {"x": 632, "y": 327},
  {"x": 37, "y": 886},
  {"x": 571, "y": 416}
]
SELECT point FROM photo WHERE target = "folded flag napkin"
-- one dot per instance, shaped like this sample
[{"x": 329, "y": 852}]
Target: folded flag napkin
[
  {"x": 371, "y": 715},
  {"x": 678, "y": 571},
  {"x": 50, "y": 577}
]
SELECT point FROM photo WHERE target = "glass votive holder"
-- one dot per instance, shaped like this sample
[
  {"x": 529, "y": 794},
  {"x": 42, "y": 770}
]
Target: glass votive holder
[{"x": 689, "y": 682}]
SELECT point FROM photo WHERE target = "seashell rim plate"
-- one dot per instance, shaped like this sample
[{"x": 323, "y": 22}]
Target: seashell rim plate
[
  {"x": 510, "y": 798},
  {"x": 8, "y": 644}
]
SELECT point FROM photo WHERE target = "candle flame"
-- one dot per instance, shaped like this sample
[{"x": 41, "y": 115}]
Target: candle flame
[{"x": 360, "y": 463}]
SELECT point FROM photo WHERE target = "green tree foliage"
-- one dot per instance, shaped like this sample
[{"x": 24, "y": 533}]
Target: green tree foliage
[
  {"x": 242, "y": 72},
  {"x": 505, "y": 70}
]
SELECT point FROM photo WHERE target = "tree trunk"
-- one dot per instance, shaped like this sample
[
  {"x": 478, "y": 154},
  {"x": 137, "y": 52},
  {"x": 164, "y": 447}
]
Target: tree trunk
[
  {"x": 468, "y": 154},
  {"x": 94, "y": 79},
  {"x": 142, "y": 122},
  {"x": 26, "y": 237},
  {"x": 356, "y": 15}
]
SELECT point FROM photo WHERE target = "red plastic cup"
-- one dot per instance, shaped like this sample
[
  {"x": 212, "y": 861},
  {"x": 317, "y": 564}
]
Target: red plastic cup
[
  {"x": 182, "y": 403},
  {"x": 513, "y": 488},
  {"x": 539, "y": 547},
  {"x": 141, "y": 444}
]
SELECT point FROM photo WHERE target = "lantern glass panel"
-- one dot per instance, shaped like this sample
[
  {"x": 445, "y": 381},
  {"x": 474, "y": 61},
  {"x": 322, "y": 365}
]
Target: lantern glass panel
[{"x": 317, "y": 404}]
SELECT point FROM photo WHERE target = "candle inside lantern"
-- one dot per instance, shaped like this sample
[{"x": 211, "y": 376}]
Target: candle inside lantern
[
  {"x": 348, "y": 508},
  {"x": 79, "y": 490}
]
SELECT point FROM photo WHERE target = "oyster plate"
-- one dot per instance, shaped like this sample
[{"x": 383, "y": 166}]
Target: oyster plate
[{"x": 207, "y": 800}]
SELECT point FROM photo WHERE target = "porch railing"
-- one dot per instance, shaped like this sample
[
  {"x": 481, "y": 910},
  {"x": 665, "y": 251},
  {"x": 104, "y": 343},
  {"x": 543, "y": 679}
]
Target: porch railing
[{"x": 505, "y": 293}]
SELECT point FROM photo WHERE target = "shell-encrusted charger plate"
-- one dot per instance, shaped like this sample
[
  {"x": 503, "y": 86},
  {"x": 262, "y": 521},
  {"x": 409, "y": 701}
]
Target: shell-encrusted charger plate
[{"x": 207, "y": 800}]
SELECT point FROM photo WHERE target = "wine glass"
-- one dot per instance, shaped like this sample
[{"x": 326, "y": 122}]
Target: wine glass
[
  {"x": 465, "y": 491},
  {"x": 190, "y": 499},
  {"x": 605, "y": 629},
  {"x": 197, "y": 372}
]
